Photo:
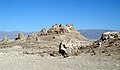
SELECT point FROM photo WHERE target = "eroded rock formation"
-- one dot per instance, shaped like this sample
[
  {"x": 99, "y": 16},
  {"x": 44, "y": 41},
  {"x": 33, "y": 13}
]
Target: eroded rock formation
[
  {"x": 58, "y": 29},
  {"x": 72, "y": 47},
  {"x": 20, "y": 37},
  {"x": 5, "y": 40},
  {"x": 109, "y": 43}
]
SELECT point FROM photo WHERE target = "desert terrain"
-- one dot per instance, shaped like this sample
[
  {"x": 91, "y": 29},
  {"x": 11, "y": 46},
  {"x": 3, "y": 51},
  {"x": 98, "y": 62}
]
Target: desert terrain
[{"x": 60, "y": 48}]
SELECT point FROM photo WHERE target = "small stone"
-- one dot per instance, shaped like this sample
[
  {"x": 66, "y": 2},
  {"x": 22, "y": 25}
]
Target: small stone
[
  {"x": 88, "y": 62},
  {"x": 116, "y": 65},
  {"x": 69, "y": 66}
]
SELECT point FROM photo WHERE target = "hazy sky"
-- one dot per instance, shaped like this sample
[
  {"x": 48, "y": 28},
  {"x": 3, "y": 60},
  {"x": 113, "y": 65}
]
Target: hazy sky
[{"x": 32, "y": 15}]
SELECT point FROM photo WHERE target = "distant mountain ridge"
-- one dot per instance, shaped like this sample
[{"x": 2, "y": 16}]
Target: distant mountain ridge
[
  {"x": 13, "y": 34},
  {"x": 92, "y": 34}
]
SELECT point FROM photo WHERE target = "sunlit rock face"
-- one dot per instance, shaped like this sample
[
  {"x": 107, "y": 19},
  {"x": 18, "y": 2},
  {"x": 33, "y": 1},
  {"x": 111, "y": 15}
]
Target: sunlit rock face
[
  {"x": 72, "y": 47},
  {"x": 110, "y": 35}
]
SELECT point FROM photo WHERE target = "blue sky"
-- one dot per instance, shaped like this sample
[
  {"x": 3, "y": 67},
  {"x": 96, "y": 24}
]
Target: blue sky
[{"x": 32, "y": 15}]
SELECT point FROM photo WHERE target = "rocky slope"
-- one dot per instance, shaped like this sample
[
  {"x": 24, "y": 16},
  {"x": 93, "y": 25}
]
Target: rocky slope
[{"x": 109, "y": 44}]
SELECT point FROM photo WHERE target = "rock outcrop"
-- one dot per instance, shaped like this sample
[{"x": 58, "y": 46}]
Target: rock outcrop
[
  {"x": 109, "y": 43},
  {"x": 58, "y": 29},
  {"x": 64, "y": 32},
  {"x": 72, "y": 47},
  {"x": 21, "y": 37},
  {"x": 5, "y": 40},
  {"x": 43, "y": 32},
  {"x": 107, "y": 38},
  {"x": 33, "y": 37},
  {"x": 110, "y": 35}
]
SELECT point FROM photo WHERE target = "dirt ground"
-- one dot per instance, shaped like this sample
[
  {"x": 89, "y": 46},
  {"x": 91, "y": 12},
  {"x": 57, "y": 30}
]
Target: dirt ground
[{"x": 15, "y": 59}]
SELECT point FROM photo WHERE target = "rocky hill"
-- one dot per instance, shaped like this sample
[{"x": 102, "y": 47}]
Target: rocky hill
[
  {"x": 60, "y": 48},
  {"x": 65, "y": 41},
  {"x": 52, "y": 41}
]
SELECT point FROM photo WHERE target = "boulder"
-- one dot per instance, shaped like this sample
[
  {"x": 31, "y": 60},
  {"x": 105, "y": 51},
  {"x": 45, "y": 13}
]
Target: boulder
[{"x": 69, "y": 47}]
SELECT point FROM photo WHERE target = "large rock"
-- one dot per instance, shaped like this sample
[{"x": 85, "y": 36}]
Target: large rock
[{"x": 72, "y": 47}]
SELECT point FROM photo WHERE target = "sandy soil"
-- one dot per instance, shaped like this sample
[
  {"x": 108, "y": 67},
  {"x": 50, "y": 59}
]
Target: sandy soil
[{"x": 14, "y": 59}]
